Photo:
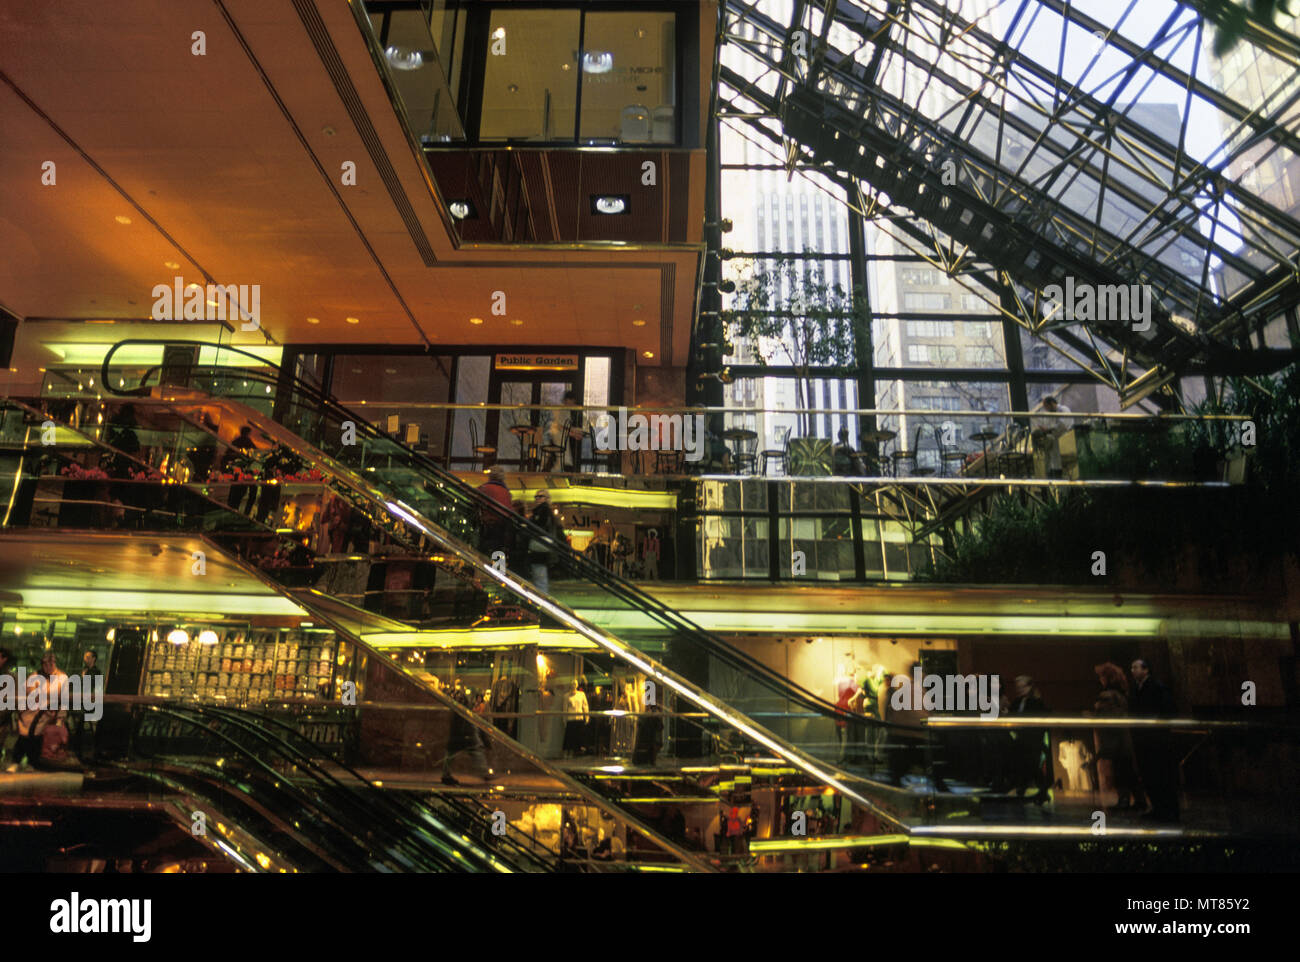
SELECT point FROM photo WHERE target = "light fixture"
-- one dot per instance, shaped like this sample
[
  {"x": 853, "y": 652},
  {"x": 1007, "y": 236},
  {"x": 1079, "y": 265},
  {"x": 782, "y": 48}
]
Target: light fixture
[
  {"x": 461, "y": 209},
  {"x": 499, "y": 33},
  {"x": 476, "y": 320},
  {"x": 313, "y": 320},
  {"x": 191, "y": 286},
  {"x": 122, "y": 219},
  {"x": 647, "y": 354},
  {"x": 207, "y": 637},
  {"x": 609, "y": 203},
  {"x": 178, "y": 636},
  {"x": 597, "y": 61},
  {"x": 723, "y": 225},
  {"x": 171, "y": 265},
  {"x": 517, "y": 323},
  {"x": 399, "y": 58},
  {"x": 352, "y": 320},
  {"x": 638, "y": 323},
  {"x": 112, "y": 633}
]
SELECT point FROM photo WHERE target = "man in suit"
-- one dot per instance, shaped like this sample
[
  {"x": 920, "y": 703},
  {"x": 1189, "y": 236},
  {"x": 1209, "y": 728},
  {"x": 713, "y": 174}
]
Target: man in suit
[{"x": 1153, "y": 748}]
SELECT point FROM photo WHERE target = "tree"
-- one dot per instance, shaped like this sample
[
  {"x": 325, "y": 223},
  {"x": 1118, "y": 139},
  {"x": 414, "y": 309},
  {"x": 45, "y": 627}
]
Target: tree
[{"x": 795, "y": 313}]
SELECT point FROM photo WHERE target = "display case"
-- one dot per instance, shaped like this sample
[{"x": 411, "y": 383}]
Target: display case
[{"x": 244, "y": 666}]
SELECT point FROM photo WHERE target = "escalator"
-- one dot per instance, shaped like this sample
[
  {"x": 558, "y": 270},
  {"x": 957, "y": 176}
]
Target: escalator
[
  {"x": 307, "y": 814},
  {"x": 728, "y": 746},
  {"x": 63, "y": 487},
  {"x": 425, "y": 506}
]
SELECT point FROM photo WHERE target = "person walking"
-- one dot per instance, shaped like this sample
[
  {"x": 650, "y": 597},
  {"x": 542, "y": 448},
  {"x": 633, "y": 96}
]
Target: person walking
[{"x": 1152, "y": 748}]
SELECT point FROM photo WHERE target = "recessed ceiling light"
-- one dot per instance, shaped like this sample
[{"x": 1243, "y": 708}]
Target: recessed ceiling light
[
  {"x": 191, "y": 286},
  {"x": 513, "y": 88},
  {"x": 638, "y": 323},
  {"x": 499, "y": 33},
  {"x": 647, "y": 354},
  {"x": 390, "y": 370},
  {"x": 327, "y": 131},
  {"x": 476, "y": 320},
  {"x": 564, "y": 66},
  {"x": 313, "y": 320},
  {"x": 122, "y": 219},
  {"x": 609, "y": 203},
  {"x": 517, "y": 323},
  {"x": 171, "y": 265},
  {"x": 352, "y": 320}
]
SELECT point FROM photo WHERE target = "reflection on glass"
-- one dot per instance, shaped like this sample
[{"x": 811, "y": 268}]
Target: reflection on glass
[
  {"x": 530, "y": 88},
  {"x": 629, "y": 78}
]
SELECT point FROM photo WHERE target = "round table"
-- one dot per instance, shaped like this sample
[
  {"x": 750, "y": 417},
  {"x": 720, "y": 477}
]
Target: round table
[
  {"x": 984, "y": 436},
  {"x": 738, "y": 436},
  {"x": 522, "y": 431},
  {"x": 876, "y": 438}
]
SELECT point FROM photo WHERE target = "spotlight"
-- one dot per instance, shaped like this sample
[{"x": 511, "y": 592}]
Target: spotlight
[{"x": 609, "y": 203}]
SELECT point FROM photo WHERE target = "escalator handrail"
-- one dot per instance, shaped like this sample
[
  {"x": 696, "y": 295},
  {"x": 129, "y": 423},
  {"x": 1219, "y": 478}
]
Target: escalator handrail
[
  {"x": 329, "y": 814},
  {"x": 473, "y": 500},
  {"x": 309, "y": 759},
  {"x": 203, "y": 716}
]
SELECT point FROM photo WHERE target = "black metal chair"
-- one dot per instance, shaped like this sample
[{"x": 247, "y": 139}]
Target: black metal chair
[
  {"x": 780, "y": 454},
  {"x": 948, "y": 454},
  {"x": 480, "y": 452}
]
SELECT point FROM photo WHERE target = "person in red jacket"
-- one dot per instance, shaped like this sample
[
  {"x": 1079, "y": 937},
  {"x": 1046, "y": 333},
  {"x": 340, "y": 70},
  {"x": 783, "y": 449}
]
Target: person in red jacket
[{"x": 495, "y": 528}]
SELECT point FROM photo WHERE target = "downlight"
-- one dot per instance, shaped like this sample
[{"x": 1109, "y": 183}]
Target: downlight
[
  {"x": 399, "y": 58},
  {"x": 609, "y": 204},
  {"x": 460, "y": 209}
]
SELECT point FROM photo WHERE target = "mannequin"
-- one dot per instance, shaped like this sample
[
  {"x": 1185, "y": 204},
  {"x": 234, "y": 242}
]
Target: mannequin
[
  {"x": 846, "y": 693},
  {"x": 650, "y": 550}
]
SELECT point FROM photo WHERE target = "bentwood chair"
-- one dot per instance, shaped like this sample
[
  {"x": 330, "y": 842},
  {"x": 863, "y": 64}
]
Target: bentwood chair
[{"x": 780, "y": 454}]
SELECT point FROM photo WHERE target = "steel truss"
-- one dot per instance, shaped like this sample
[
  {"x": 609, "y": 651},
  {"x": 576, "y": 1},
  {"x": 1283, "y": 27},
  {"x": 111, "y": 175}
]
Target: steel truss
[{"x": 983, "y": 161}]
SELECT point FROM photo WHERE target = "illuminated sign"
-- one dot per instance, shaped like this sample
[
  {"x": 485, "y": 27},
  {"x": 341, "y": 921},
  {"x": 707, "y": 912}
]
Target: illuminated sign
[{"x": 537, "y": 362}]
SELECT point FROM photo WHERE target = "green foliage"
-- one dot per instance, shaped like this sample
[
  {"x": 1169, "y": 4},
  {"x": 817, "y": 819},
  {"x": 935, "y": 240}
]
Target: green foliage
[{"x": 1159, "y": 538}]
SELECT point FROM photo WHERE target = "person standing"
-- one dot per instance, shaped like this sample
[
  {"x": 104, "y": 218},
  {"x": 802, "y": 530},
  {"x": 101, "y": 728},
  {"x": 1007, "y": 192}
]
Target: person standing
[
  {"x": 89, "y": 672},
  {"x": 1032, "y": 745},
  {"x": 1046, "y": 434},
  {"x": 1152, "y": 748},
  {"x": 542, "y": 548},
  {"x": 1115, "y": 745},
  {"x": 7, "y": 667},
  {"x": 495, "y": 524},
  {"x": 576, "y": 716}
]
